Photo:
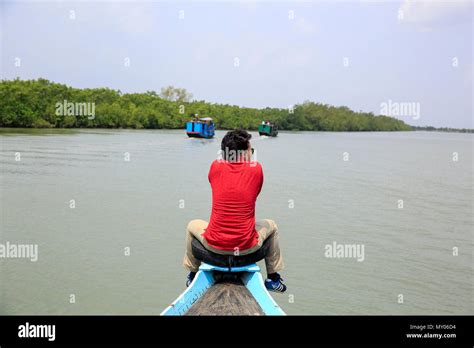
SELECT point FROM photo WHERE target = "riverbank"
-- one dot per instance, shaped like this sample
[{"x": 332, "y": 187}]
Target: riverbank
[
  {"x": 414, "y": 129},
  {"x": 45, "y": 104}
]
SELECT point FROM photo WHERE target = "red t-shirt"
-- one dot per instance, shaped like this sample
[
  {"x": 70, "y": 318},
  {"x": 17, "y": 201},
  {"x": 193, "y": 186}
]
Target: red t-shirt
[{"x": 235, "y": 187}]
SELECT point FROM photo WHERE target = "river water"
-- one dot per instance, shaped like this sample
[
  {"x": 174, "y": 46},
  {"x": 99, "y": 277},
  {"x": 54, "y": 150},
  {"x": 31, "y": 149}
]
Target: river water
[{"x": 108, "y": 209}]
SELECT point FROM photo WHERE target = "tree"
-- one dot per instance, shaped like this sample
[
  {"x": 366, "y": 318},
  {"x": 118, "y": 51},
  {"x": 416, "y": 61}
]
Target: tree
[{"x": 171, "y": 93}]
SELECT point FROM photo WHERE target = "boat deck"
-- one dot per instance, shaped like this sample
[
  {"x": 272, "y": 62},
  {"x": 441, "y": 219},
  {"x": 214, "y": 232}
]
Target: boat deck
[{"x": 227, "y": 297}]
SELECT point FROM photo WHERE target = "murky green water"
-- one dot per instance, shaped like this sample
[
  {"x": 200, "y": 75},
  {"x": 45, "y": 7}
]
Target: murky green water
[{"x": 315, "y": 196}]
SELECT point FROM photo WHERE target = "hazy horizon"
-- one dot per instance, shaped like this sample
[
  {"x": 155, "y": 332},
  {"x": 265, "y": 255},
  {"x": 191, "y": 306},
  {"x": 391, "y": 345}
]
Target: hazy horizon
[{"x": 359, "y": 54}]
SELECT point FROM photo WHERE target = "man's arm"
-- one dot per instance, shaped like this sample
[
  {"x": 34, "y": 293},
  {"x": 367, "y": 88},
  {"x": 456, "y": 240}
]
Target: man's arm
[
  {"x": 259, "y": 178},
  {"x": 211, "y": 171}
]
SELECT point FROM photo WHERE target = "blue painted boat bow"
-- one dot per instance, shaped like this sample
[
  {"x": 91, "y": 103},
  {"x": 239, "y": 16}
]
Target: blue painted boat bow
[{"x": 204, "y": 279}]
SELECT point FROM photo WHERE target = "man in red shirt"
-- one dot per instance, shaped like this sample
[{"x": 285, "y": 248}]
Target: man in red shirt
[{"x": 236, "y": 181}]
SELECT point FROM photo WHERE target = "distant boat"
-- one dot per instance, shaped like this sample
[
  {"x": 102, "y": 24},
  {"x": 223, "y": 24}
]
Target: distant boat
[
  {"x": 268, "y": 129},
  {"x": 200, "y": 128}
]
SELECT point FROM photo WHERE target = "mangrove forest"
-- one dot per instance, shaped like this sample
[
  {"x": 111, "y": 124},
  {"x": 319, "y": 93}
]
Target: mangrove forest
[{"x": 42, "y": 104}]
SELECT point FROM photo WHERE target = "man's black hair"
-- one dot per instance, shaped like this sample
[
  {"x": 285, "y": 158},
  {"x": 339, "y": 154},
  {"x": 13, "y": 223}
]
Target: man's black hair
[{"x": 236, "y": 141}]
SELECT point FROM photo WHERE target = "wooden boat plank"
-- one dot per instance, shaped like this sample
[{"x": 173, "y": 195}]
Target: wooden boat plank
[{"x": 226, "y": 298}]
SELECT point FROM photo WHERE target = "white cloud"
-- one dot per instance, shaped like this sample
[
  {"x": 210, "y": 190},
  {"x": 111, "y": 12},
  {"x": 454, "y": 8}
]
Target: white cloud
[
  {"x": 121, "y": 16},
  {"x": 132, "y": 18},
  {"x": 250, "y": 5},
  {"x": 304, "y": 27},
  {"x": 428, "y": 13}
]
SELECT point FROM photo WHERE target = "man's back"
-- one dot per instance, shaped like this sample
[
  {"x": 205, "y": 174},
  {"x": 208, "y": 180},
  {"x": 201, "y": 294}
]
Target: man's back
[
  {"x": 235, "y": 187},
  {"x": 236, "y": 183}
]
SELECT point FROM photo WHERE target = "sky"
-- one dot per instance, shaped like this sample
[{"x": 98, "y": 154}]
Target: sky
[{"x": 359, "y": 54}]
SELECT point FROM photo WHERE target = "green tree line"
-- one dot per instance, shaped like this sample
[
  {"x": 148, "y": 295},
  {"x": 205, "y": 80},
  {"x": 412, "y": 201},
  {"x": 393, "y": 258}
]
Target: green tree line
[
  {"x": 34, "y": 103},
  {"x": 443, "y": 129}
]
